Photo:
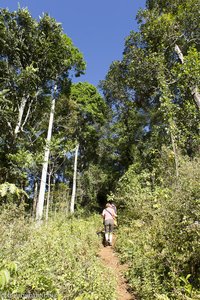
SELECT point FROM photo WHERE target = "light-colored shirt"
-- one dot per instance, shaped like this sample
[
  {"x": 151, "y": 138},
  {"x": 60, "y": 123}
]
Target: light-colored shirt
[{"x": 108, "y": 213}]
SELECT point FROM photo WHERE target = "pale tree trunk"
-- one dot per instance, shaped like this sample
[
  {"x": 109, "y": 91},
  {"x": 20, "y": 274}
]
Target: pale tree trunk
[
  {"x": 23, "y": 103},
  {"x": 20, "y": 115},
  {"x": 40, "y": 204},
  {"x": 179, "y": 53},
  {"x": 27, "y": 115},
  {"x": 196, "y": 95},
  {"x": 35, "y": 198},
  {"x": 48, "y": 196},
  {"x": 74, "y": 181},
  {"x": 194, "y": 90}
]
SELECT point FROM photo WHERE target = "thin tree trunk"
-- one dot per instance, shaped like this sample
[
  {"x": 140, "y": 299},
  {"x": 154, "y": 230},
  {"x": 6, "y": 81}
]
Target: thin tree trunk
[
  {"x": 196, "y": 95},
  {"x": 40, "y": 204},
  {"x": 20, "y": 115},
  {"x": 74, "y": 181},
  {"x": 35, "y": 198},
  {"x": 27, "y": 115},
  {"x": 194, "y": 90},
  {"x": 48, "y": 196}
]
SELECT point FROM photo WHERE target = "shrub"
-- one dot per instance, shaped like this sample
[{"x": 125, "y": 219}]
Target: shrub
[{"x": 162, "y": 230}]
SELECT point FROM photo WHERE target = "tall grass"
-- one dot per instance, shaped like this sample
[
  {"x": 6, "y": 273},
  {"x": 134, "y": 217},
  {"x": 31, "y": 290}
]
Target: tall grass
[{"x": 57, "y": 260}]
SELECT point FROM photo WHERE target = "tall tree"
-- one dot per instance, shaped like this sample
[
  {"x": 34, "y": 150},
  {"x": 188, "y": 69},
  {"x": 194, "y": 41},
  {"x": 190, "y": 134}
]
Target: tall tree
[
  {"x": 80, "y": 117},
  {"x": 67, "y": 58},
  {"x": 74, "y": 180},
  {"x": 157, "y": 82},
  {"x": 40, "y": 202},
  {"x": 34, "y": 57}
]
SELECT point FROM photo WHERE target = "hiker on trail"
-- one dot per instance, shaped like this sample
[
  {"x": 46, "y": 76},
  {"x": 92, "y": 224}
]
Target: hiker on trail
[{"x": 108, "y": 215}]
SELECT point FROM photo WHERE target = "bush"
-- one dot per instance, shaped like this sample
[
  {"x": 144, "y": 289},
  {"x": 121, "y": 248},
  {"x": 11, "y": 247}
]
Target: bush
[{"x": 162, "y": 230}]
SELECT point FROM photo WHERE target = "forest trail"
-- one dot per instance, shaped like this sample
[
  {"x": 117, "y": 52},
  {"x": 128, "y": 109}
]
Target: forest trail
[{"x": 111, "y": 260}]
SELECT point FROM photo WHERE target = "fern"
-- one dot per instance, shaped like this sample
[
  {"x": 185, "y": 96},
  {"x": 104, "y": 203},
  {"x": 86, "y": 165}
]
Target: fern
[
  {"x": 4, "y": 278},
  {"x": 5, "y": 274}
]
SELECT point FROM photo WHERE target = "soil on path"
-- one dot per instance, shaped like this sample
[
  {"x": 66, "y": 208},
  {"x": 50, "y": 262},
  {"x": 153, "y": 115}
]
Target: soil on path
[{"x": 110, "y": 259}]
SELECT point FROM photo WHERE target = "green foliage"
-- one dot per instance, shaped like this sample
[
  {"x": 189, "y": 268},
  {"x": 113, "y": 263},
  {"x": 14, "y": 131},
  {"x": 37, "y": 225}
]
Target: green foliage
[
  {"x": 4, "y": 278},
  {"x": 149, "y": 138},
  {"x": 60, "y": 198},
  {"x": 187, "y": 284},
  {"x": 56, "y": 260},
  {"x": 10, "y": 191},
  {"x": 133, "y": 204},
  {"x": 88, "y": 114},
  {"x": 150, "y": 91},
  {"x": 159, "y": 234},
  {"x": 80, "y": 116},
  {"x": 6, "y": 273},
  {"x": 34, "y": 55},
  {"x": 92, "y": 184}
]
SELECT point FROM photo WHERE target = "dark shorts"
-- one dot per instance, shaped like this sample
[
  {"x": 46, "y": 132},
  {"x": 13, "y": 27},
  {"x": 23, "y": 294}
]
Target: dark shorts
[{"x": 109, "y": 225}]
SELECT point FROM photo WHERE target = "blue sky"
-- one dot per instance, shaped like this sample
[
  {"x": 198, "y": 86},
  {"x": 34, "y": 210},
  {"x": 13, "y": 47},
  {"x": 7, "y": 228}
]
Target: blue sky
[{"x": 97, "y": 28}]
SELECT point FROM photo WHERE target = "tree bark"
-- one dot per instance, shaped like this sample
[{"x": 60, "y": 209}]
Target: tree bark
[
  {"x": 74, "y": 181},
  {"x": 27, "y": 115},
  {"x": 40, "y": 204},
  {"x": 194, "y": 90},
  {"x": 20, "y": 115},
  {"x": 179, "y": 53},
  {"x": 196, "y": 96},
  {"x": 48, "y": 196},
  {"x": 35, "y": 198}
]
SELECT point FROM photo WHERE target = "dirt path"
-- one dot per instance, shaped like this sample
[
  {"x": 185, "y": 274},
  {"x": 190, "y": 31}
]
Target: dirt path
[{"x": 110, "y": 259}]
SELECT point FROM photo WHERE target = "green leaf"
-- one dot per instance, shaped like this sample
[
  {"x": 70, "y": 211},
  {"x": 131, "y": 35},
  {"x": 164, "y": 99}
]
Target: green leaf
[{"x": 4, "y": 278}]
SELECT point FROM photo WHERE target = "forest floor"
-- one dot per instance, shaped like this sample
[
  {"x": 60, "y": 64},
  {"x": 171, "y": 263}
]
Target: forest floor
[{"x": 111, "y": 260}]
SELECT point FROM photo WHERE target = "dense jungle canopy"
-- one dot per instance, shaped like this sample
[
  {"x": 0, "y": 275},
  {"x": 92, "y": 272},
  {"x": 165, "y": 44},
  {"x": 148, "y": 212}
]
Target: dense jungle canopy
[{"x": 135, "y": 138}]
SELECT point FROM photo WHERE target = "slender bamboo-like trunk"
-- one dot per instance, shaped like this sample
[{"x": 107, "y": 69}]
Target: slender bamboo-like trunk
[
  {"x": 27, "y": 115},
  {"x": 194, "y": 90},
  {"x": 40, "y": 204},
  {"x": 74, "y": 181},
  {"x": 20, "y": 115},
  {"x": 48, "y": 196},
  {"x": 35, "y": 198}
]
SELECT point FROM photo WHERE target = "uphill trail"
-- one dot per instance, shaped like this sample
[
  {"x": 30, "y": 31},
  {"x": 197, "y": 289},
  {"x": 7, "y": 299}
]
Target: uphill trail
[{"x": 110, "y": 260}]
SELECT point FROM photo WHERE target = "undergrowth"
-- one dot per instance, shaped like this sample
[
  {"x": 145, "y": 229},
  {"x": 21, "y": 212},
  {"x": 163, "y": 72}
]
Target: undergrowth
[
  {"x": 159, "y": 233},
  {"x": 57, "y": 260}
]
